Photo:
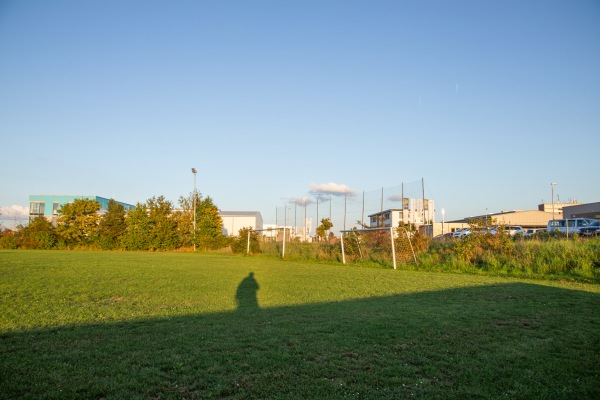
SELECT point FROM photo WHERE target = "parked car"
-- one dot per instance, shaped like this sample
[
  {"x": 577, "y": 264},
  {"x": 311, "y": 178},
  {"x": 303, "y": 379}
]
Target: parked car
[
  {"x": 571, "y": 226},
  {"x": 593, "y": 229},
  {"x": 444, "y": 236},
  {"x": 533, "y": 231},
  {"x": 510, "y": 230},
  {"x": 462, "y": 232}
]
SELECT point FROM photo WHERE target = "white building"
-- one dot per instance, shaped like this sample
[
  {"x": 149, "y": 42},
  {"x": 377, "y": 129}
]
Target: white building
[
  {"x": 233, "y": 221},
  {"x": 414, "y": 211}
]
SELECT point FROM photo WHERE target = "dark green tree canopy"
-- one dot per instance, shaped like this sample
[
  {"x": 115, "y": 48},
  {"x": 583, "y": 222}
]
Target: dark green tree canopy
[{"x": 112, "y": 226}]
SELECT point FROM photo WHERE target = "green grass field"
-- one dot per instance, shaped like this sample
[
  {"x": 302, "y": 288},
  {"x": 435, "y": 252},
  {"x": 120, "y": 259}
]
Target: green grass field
[{"x": 102, "y": 325}]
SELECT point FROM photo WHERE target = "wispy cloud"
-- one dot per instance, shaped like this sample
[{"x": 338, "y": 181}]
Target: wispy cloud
[
  {"x": 299, "y": 201},
  {"x": 334, "y": 189},
  {"x": 395, "y": 198}
]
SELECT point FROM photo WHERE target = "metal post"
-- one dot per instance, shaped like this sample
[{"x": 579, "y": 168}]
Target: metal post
[
  {"x": 248, "y": 245},
  {"x": 194, "y": 211},
  {"x": 362, "y": 218},
  {"x": 283, "y": 247},
  {"x": 442, "y": 221},
  {"x": 393, "y": 246},
  {"x": 342, "y": 242},
  {"x": 411, "y": 246},
  {"x": 345, "y": 195},
  {"x": 317, "y": 236},
  {"x": 552, "y": 184}
]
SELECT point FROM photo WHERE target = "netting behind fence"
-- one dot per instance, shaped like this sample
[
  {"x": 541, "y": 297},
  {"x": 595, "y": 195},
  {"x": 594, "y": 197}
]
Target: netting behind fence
[{"x": 351, "y": 209}]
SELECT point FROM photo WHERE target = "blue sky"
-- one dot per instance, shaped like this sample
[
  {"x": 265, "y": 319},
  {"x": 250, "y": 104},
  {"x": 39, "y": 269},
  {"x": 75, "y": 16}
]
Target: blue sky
[{"x": 488, "y": 101}]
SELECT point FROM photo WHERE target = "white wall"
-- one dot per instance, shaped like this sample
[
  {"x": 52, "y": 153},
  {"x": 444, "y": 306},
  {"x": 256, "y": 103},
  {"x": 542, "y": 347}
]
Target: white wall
[{"x": 233, "y": 223}]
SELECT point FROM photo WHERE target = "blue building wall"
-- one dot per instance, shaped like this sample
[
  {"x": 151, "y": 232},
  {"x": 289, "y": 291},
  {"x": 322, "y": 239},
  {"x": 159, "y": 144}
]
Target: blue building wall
[{"x": 48, "y": 205}]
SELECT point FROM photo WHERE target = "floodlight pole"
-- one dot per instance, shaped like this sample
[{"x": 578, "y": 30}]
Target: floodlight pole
[
  {"x": 194, "y": 205},
  {"x": 442, "y": 221},
  {"x": 552, "y": 184}
]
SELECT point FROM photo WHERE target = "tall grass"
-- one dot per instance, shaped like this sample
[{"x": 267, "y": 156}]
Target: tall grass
[
  {"x": 554, "y": 259},
  {"x": 550, "y": 258}
]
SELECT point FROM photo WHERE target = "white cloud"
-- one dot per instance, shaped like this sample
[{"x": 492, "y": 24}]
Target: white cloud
[
  {"x": 14, "y": 211},
  {"x": 396, "y": 197},
  {"x": 335, "y": 189}
]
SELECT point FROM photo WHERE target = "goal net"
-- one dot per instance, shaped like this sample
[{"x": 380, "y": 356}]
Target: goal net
[{"x": 379, "y": 245}]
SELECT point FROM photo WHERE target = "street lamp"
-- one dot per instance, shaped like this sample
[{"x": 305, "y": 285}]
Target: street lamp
[
  {"x": 194, "y": 211},
  {"x": 552, "y": 184},
  {"x": 443, "y": 212}
]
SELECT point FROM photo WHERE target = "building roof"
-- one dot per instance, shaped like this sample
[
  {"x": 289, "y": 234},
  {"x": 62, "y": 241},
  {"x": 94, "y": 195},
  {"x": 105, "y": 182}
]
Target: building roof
[
  {"x": 239, "y": 213},
  {"x": 525, "y": 218}
]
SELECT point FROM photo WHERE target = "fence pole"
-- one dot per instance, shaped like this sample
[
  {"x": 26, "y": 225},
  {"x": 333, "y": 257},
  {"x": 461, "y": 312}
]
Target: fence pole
[
  {"x": 283, "y": 249},
  {"x": 411, "y": 247},
  {"x": 248, "y": 245},
  {"x": 342, "y": 241},
  {"x": 393, "y": 246}
]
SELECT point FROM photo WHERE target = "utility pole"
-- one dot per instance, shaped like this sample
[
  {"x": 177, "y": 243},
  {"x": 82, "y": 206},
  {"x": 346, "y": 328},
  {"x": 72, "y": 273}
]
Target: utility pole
[{"x": 194, "y": 202}]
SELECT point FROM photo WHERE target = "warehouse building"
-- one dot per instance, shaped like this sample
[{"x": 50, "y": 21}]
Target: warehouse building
[
  {"x": 589, "y": 210},
  {"x": 233, "y": 221}
]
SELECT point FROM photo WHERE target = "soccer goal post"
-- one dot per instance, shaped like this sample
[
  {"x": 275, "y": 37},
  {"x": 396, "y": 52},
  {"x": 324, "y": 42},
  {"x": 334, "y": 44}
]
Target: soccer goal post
[
  {"x": 276, "y": 230},
  {"x": 390, "y": 230}
]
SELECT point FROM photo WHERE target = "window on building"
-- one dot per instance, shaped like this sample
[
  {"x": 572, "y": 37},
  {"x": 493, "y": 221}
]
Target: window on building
[{"x": 36, "y": 208}]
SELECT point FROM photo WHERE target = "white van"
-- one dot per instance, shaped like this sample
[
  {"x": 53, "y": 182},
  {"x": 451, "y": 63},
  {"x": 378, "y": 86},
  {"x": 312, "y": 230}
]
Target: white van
[{"x": 571, "y": 226}]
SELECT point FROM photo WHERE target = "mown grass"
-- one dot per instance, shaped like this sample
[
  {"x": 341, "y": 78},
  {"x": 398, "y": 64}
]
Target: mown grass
[{"x": 165, "y": 325}]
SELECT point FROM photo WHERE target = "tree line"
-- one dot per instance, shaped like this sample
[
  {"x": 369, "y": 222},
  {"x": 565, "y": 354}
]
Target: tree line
[{"x": 152, "y": 225}]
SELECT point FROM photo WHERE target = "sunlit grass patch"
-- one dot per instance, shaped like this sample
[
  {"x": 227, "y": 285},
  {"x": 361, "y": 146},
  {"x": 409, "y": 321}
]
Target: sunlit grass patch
[{"x": 156, "y": 325}]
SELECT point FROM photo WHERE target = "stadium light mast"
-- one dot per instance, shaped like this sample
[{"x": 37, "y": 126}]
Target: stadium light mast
[
  {"x": 552, "y": 184},
  {"x": 194, "y": 211}
]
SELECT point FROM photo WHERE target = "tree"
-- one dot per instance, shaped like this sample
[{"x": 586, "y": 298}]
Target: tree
[
  {"x": 240, "y": 243},
  {"x": 163, "y": 224},
  {"x": 137, "y": 232},
  {"x": 185, "y": 219},
  {"x": 323, "y": 228},
  {"x": 39, "y": 234},
  {"x": 78, "y": 222},
  {"x": 112, "y": 226},
  {"x": 209, "y": 225}
]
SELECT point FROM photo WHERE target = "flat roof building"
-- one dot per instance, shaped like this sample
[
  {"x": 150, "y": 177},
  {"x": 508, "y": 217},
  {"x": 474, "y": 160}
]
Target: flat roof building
[
  {"x": 589, "y": 210},
  {"x": 526, "y": 219},
  {"x": 44, "y": 205},
  {"x": 233, "y": 221},
  {"x": 414, "y": 211}
]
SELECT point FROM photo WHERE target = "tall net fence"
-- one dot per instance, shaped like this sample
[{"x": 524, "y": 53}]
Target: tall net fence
[{"x": 346, "y": 210}]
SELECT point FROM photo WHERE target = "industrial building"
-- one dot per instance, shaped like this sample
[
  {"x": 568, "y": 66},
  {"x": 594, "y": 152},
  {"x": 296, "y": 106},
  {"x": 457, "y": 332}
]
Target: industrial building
[
  {"x": 414, "y": 211},
  {"x": 233, "y": 221},
  {"x": 589, "y": 210},
  {"x": 528, "y": 219},
  {"x": 41, "y": 205}
]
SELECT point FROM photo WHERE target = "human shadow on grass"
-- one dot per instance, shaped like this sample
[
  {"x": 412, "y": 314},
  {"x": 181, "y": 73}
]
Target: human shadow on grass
[
  {"x": 246, "y": 295},
  {"x": 511, "y": 340}
]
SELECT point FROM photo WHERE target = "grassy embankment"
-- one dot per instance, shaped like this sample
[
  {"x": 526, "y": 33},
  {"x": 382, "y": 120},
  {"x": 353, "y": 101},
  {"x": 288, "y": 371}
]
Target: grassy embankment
[{"x": 165, "y": 325}]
